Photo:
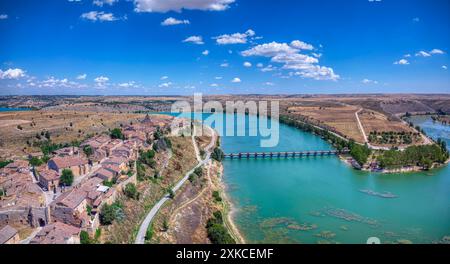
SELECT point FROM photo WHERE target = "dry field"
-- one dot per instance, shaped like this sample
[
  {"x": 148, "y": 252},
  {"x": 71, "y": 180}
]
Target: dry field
[
  {"x": 186, "y": 215},
  {"x": 17, "y": 128},
  {"x": 341, "y": 118},
  {"x": 374, "y": 121}
]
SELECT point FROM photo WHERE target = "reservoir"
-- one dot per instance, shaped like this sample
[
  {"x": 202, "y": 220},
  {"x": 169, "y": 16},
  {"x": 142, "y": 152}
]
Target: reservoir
[
  {"x": 323, "y": 200},
  {"x": 7, "y": 109}
]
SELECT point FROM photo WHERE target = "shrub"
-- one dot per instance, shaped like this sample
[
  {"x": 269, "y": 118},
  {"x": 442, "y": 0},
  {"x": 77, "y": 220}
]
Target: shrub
[
  {"x": 192, "y": 177},
  {"x": 131, "y": 191},
  {"x": 116, "y": 133},
  {"x": 217, "y": 232},
  {"x": 112, "y": 212},
  {"x": 149, "y": 233},
  {"x": 216, "y": 196}
]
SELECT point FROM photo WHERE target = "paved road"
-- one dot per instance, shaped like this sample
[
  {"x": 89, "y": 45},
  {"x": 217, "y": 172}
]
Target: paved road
[{"x": 140, "y": 237}]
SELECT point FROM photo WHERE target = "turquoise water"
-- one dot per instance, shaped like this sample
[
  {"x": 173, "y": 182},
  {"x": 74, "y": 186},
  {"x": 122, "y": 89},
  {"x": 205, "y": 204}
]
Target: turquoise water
[
  {"x": 5, "y": 109},
  {"x": 433, "y": 129},
  {"x": 318, "y": 199}
]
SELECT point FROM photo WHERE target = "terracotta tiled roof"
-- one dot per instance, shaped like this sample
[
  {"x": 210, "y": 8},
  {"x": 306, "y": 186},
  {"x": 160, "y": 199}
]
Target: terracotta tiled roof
[
  {"x": 6, "y": 233},
  {"x": 56, "y": 233},
  {"x": 48, "y": 175},
  {"x": 69, "y": 161},
  {"x": 71, "y": 198}
]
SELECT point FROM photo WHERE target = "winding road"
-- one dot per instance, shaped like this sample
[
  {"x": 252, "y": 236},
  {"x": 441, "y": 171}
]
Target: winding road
[{"x": 140, "y": 237}]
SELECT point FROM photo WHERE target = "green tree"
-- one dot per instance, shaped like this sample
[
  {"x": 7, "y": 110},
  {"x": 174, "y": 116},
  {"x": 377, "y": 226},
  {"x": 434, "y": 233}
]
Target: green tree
[
  {"x": 360, "y": 153},
  {"x": 36, "y": 162},
  {"x": 218, "y": 154},
  {"x": 88, "y": 150},
  {"x": 199, "y": 171},
  {"x": 66, "y": 178},
  {"x": 216, "y": 196},
  {"x": 5, "y": 163},
  {"x": 131, "y": 191},
  {"x": 217, "y": 232},
  {"x": 149, "y": 233},
  {"x": 112, "y": 212},
  {"x": 84, "y": 238},
  {"x": 116, "y": 133}
]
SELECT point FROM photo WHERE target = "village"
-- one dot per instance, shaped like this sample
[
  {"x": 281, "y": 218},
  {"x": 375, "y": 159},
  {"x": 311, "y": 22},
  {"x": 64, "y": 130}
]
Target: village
[{"x": 55, "y": 202}]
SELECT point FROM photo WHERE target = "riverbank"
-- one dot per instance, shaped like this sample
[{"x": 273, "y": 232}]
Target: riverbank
[{"x": 229, "y": 211}]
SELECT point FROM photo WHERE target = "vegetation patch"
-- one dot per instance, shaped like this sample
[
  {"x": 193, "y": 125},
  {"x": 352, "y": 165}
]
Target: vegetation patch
[{"x": 217, "y": 232}]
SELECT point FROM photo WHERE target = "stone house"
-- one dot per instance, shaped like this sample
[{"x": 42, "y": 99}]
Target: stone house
[
  {"x": 48, "y": 179},
  {"x": 58, "y": 233},
  {"x": 79, "y": 166}
]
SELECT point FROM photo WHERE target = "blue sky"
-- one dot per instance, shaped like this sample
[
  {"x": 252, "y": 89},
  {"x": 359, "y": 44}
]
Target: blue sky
[{"x": 145, "y": 47}]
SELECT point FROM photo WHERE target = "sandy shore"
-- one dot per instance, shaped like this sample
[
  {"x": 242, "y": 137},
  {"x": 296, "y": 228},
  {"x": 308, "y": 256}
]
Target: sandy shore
[{"x": 229, "y": 211}]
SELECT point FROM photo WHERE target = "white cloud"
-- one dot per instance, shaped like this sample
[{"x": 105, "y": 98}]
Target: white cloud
[
  {"x": 103, "y": 2},
  {"x": 205, "y": 53},
  {"x": 101, "y": 81},
  {"x": 218, "y": 77},
  {"x": 173, "y": 21},
  {"x": 127, "y": 84},
  {"x": 99, "y": 16},
  {"x": 178, "y": 5},
  {"x": 214, "y": 85},
  {"x": 436, "y": 51},
  {"x": 268, "y": 68},
  {"x": 319, "y": 73},
  {"x": 247, "y": 64},
  {"x": 367, "y": 81},
  {"x": 3, "y": 16},
  {"x": 416, "y": 19},
  {"x": 164, "y": 77},
  {"x": 289, "y": 55},
  {"x": 422, "y": 54},
  {"x": 12, "y": 74},
  {"x": 236, "y": 38},
  {"x": 270, "y": 50},
  {"x": 301, "y": 45},
  {"x": 407, "y": 55},
  {"x": 53, "y": 82},
  {"x": 195, "y": 40},
  {"x": 165, "y": 85},
  {"x": 260, "y": 65},
  {"x": 444, "y": 67},
  {"x": 236, "y": 80},
  {"x": 402, "y": 62},
  {"x": 269, "y": 83},
  {"x": 82, "y": 76},
  {"x": 225, "y": 65}
]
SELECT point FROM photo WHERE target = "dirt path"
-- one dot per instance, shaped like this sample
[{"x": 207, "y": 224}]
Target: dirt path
[{"x": 140, "y": 237}]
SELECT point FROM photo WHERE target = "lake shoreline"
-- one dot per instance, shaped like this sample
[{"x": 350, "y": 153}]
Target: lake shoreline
[{"x": 230, "y": 211}]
